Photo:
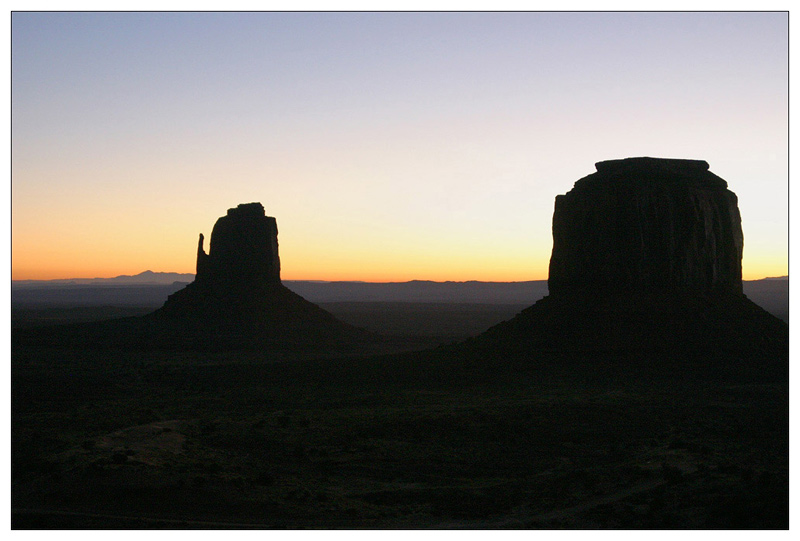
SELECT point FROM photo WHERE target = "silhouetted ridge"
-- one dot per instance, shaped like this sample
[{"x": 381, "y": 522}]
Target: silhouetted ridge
[{"x": 645, "y": 275}]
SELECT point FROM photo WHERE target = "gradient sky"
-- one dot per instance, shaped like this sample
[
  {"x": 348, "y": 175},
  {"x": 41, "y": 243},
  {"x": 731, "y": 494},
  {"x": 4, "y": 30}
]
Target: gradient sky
[{"x": 389, "y": 146}]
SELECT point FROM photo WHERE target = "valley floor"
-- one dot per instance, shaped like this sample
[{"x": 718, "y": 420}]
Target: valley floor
[{"x": 123, "y": 439}]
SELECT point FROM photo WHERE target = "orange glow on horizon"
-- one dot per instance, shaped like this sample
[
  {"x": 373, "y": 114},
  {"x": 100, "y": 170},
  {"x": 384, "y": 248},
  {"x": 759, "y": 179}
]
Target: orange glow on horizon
[
  {"x": 341, "y": 275},
  {"x": 344, "y": 274},
  {"x": 396, "y": 258}
]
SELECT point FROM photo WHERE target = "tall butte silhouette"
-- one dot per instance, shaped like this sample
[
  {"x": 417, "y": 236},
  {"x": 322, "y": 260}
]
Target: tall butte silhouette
[
  {"x": 237, "y": 297},
  {"x": 646, "y": 275}
]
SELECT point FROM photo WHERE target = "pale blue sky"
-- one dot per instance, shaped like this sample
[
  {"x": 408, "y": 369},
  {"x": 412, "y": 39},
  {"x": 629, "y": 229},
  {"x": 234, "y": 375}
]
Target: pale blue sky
[{"x": 387, "y": 145}]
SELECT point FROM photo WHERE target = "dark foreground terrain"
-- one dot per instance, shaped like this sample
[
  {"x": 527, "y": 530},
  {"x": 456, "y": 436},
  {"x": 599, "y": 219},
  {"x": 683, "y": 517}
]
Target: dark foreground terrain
[{"x": 138, "y": 439}]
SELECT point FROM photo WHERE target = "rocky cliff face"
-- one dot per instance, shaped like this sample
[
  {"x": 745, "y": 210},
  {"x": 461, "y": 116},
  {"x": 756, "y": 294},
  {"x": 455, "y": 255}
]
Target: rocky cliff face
[{"x": 647, "y": 223}]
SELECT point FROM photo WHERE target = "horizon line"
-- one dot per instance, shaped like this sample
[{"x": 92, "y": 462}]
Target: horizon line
[{"x": 187, "y": 274}]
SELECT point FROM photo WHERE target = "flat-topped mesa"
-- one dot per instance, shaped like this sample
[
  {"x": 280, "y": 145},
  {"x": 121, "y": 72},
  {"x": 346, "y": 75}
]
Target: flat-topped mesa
[
  {"x": 243, "y": 252},
  {"x": 647, "y": 223}
]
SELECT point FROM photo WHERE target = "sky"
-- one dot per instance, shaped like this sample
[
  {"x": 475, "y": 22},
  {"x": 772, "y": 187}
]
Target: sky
[{"x": 388, "y": 146}]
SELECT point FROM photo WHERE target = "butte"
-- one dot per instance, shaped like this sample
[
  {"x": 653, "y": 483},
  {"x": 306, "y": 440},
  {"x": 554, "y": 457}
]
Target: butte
[
  {"x": 237, "y": 298},
  {"x": 646, "y": 278}
]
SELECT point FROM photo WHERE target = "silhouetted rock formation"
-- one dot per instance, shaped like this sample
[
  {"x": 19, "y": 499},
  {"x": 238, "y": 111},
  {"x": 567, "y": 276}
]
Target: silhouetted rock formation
[
  {"x": 237, "y": 301},
  {"x": 645, "y": 275},
  {"x": 243, "y": 252},
  {"x": 237, "y": 296},
  {"x": 647, "y": 223}
]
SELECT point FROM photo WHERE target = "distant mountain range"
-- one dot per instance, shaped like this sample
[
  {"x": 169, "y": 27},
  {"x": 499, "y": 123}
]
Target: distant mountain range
[
  {"x": 143, "y": 278},
  {"x": 152, "y": 288}
]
